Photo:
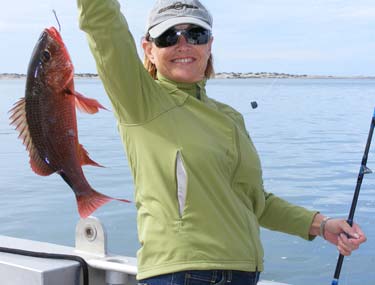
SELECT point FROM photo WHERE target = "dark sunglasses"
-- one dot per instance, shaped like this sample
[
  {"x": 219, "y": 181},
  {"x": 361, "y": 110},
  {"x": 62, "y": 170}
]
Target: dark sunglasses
[{"x": 193, "y": 35}]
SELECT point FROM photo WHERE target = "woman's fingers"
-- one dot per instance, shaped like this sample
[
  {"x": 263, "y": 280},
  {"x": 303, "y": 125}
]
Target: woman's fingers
[{"x": 345, "y": 237}]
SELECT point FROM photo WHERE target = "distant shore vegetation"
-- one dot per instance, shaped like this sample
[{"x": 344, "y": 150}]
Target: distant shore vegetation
[{"x": 220, "y": 75}]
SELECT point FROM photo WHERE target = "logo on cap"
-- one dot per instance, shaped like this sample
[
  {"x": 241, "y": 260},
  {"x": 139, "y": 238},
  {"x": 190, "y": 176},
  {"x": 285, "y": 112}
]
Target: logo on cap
[{"x": 177, "y": 6}]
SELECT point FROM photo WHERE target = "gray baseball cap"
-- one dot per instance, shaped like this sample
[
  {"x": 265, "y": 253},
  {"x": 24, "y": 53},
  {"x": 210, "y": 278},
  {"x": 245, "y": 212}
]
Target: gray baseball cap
[{"x": 168, "y": 13}]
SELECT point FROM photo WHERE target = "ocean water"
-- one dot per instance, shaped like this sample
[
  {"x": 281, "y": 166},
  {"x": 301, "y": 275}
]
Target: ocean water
[{"x": 310, "y": 135}]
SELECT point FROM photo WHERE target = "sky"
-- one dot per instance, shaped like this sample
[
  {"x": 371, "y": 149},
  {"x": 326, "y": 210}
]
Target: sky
[{"x": 318, "y": 37}]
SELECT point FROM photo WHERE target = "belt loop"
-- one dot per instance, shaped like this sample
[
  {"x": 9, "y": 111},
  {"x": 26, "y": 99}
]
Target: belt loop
[
  {"x": 229, "y": 275},
  {"x": 214, "y": 276}
]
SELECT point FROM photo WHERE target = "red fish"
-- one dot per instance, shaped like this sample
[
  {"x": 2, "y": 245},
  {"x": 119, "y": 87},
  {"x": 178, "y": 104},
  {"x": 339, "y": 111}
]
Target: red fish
[{"x": 46, "y": 120}]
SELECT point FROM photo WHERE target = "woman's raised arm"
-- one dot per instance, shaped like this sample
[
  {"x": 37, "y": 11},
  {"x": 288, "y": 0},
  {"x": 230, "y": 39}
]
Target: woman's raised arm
[{"x": 134, "y": 94}]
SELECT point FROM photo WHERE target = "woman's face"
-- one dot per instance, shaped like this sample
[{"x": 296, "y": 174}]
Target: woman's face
[{"x": 182, "y": 62}]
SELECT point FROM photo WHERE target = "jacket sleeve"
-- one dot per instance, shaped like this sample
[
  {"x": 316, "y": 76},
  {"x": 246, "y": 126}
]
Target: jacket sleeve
[
  {"x": 278, "y": 214},
  {"x": 134, "y": 94},
  {"x": 282, "y": 216}
]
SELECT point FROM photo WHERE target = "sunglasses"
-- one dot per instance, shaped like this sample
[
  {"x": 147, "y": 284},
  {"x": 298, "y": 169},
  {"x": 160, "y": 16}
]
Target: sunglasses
[{"x": 193, "y": 35}]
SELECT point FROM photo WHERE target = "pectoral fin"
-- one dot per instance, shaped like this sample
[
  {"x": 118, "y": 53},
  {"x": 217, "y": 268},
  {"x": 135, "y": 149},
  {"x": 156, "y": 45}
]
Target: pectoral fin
[{"x": 87, "y": 105}]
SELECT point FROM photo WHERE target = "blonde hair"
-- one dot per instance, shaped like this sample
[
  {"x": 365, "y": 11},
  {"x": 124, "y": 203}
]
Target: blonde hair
[{"x": 151, "y": 68}]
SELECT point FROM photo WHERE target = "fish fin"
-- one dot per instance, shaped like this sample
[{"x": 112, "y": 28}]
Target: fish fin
[
  {"x": 39, "y": 166},
  {"x": 87, "y": 204},
  {"x": 18, "y": 119},
  {"x": 87, "y": 105},
  {"x": 84, "y": 157}
]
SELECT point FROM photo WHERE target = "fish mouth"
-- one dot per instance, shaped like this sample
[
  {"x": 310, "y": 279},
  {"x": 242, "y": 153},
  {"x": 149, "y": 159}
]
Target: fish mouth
[
  {"x": 52, "y": 32},
  {"x": 50, "y": 59}
]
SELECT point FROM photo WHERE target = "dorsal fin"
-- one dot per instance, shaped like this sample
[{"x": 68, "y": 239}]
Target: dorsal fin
[{"x": 18, "y": 119}]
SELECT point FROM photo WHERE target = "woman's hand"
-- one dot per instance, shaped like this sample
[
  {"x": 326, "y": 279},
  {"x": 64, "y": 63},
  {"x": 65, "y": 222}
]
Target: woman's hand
[
  {"x": 345, "y": 237},
  {"x": 339, "y": 233}
]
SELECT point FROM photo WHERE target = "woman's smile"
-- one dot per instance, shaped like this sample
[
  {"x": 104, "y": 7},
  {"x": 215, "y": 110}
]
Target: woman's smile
[{"x": 184, "y": 60}]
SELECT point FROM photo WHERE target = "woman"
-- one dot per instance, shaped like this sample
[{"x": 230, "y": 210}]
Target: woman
[{"x": 198, "y": 181}]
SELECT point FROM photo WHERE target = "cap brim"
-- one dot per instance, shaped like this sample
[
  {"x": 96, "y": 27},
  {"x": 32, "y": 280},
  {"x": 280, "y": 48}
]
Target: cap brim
[{"x": 163, "y": 26}]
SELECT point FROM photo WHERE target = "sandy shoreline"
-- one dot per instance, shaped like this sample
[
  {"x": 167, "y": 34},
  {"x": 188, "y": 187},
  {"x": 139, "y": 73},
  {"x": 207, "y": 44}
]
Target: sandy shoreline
[{"x": 220, "y": 75}]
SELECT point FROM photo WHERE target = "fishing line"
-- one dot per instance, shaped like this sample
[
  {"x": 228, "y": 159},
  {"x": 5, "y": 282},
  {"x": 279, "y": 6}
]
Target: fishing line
[
  {"x": 267, "y": 90},
  {"x": 57, "y": 19},
  {"x": 80, "y": 260}
]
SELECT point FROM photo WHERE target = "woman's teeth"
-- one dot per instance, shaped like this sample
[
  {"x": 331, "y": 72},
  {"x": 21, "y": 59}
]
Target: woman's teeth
[{"x": 183, "y": 60}]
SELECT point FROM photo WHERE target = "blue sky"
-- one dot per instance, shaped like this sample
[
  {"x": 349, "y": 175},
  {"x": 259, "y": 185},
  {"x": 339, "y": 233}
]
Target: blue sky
[{"x": 330, "y": 37}]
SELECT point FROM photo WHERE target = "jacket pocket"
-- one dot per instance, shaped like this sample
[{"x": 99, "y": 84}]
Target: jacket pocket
[{"x": 181, "y": 177}]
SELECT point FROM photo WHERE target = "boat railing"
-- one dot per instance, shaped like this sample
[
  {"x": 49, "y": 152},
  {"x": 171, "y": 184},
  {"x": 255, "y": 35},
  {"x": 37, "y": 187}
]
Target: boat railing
[{"x": 16, "y": 268}]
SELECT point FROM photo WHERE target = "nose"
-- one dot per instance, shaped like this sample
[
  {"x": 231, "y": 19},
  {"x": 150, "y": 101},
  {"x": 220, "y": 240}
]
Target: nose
[{"x": 182, "y": 40}]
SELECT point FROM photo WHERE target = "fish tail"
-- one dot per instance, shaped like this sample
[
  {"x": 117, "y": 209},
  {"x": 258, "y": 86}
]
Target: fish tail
[{"x": 88, "y": 203}]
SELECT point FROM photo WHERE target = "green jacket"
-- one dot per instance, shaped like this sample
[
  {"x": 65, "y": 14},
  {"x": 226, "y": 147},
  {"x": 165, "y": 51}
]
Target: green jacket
[{"x": 198, "y": 180}]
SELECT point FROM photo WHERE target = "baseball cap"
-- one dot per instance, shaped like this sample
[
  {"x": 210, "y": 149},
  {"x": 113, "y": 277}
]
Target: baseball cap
[{"x": 168, "y": 13}]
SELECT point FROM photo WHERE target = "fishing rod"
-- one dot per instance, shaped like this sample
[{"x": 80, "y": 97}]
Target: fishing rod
[{"x": 362, "y": 171}]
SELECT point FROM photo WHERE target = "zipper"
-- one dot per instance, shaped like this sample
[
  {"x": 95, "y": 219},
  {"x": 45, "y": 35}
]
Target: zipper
[{"x": 198, "y": 93}]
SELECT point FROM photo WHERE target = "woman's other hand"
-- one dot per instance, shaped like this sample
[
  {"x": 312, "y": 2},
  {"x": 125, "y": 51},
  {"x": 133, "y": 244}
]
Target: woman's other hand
[
  {"x": 345, "y": 237},
  {"x": 339, "y": 233}
]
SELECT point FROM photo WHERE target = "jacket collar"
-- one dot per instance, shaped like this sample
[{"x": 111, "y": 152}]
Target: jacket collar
[{"x": 197, "y": 90}]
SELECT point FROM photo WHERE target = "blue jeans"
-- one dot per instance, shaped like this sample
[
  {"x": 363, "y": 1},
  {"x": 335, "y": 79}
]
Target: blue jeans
[{"x": 204, "y": 277}]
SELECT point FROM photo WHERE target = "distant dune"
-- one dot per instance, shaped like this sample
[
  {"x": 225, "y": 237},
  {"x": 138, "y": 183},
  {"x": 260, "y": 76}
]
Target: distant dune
[{"x": 234, "y": 75}]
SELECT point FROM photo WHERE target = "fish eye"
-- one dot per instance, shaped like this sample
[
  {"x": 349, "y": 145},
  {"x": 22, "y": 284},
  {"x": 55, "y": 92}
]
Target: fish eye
[{"x": 46, "y": 55}]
